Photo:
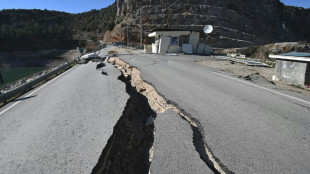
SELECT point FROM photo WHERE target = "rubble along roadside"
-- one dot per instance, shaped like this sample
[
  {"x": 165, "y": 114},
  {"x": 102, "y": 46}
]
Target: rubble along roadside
[{"x": 259, "y": 75}]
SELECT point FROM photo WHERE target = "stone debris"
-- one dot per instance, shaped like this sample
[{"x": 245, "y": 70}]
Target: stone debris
[{"x": 257, "y": 78}]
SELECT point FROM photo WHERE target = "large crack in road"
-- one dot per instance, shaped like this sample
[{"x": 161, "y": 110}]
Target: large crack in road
[{"x": 129, "y": 149}]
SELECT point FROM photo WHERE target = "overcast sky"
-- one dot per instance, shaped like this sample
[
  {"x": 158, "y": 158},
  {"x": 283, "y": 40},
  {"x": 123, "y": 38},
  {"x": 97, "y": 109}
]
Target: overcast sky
[{"x": 78, "y": 6}]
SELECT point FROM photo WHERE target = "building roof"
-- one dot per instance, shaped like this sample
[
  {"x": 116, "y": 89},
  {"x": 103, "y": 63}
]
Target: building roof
[
  {"x": 293, "y": 56},
  {"x": 296, "y": 54},
  {"x": 169, "y": 33}
]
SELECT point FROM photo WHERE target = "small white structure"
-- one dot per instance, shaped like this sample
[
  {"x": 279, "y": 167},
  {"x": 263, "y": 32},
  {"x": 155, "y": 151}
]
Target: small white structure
[
  {"x": 175, "y": 42},
  {"x": 293, "y": 68}
]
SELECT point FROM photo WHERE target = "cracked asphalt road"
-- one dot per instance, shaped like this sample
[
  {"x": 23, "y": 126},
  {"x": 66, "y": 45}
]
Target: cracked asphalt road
[
  {"x": 64, "y": 127},
  {"x": 249, "y": 129},
  {"x": 177, "y": 154}
]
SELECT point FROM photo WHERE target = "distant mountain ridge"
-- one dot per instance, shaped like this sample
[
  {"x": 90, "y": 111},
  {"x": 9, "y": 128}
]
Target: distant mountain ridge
[
  {"x": 43, "y": 29},
  {"x": 237, "y": 23}
]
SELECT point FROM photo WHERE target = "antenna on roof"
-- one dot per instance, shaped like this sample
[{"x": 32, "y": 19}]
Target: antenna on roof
[{"x": 207, "y": 30}]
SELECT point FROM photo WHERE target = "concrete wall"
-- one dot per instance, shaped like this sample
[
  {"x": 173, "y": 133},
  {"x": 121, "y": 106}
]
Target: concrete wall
[
  {"x": 291, "y": 72},
  {"x": 155, "y": 48},
  {"x": 164, "y": 45},
  {"x": 200, "y": 48},
  {"x": 194, "y": 40},
  {"x": 204, "y": 49},
  {"x": 208, "y": 50},
  {"x": 174, "y": 49},
  {"x": 148, "y": 48},
  {"x": 307, "y": 77},
  {"x": 187, "y": 49}
]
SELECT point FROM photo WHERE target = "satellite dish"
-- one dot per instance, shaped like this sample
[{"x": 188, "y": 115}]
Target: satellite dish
[{"x": 208, "y": 29}]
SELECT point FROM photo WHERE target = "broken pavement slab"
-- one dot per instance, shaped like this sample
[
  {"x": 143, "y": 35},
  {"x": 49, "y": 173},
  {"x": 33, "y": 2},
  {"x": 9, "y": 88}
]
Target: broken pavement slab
[{"x": 173, "y": 147}]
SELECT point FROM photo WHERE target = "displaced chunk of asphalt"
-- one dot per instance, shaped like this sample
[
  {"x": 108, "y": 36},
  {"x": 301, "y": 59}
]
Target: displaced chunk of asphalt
[
  {"x": 100, "y": 65},
  {"x": 173, "y": 147}
]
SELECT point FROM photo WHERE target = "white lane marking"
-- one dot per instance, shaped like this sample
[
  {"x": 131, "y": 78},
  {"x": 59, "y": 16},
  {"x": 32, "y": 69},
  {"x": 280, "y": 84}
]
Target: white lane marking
[
  {"x": 36, "y": 90},
  {"x": 298, "y": 99}
]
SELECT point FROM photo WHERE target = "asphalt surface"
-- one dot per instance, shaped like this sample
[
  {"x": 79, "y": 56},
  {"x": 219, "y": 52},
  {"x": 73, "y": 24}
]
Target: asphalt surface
[
  {"x": 63, "y": 127},
  {"x": 249, "y": 129},
  {"x": 174, "y": 151}
]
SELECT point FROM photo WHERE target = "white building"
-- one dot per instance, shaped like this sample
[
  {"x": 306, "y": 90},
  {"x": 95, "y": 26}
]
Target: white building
[
  {"x": 179, "y": 42},
  {"x": 293, "y": 68}
]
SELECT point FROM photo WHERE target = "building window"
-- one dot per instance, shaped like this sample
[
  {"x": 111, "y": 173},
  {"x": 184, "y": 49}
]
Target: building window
[{"x": 175, "y": 40}]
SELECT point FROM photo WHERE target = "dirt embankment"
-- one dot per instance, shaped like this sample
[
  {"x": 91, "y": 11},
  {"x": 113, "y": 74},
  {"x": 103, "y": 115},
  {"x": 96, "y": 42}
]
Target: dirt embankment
[
  {"x": 262, "y": 52},
  {"x": 239, "y": 69}
]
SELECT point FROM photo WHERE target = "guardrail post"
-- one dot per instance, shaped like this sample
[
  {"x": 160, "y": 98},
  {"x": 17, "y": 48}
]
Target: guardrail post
[{"x": 1, "y": 79}]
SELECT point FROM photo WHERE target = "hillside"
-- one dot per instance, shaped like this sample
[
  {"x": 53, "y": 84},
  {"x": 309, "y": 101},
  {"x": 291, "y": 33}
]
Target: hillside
[
  {"x": 35, "y": 29},
  {"x": 22, "y": 30},
  {"x": 236, "y": 23},
  {"x": 98, "y": 21}
]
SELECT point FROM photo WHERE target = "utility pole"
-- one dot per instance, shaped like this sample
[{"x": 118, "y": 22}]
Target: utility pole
[
  {"x": 141, "y": 24},
  {"x": 141, "y": 29},
  {"x": 168, "y": 10},
  {"x": 127, "y": 35}
]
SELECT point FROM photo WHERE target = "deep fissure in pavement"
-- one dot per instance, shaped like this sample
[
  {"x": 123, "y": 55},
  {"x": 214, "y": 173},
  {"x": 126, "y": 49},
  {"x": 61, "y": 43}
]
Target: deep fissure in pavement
[
  {"x": 199, "y": 143},
  {"x": 160, "y": 104},
  {"x": 128, "y": 149}
]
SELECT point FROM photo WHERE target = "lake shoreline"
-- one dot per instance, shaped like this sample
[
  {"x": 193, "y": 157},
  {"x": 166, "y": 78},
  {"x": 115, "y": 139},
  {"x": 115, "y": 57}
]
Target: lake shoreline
[{"x": 19, "y": 67}]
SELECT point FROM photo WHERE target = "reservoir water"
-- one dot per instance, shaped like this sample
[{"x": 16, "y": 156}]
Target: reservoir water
[{"x": 12, "y": 74}]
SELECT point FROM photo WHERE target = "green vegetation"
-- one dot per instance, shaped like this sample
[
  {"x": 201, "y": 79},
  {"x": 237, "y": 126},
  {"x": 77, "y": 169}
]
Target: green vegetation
[
  {"x": 97, "y": 20},
  {"x": 271, "y": 64},
  {"x": 22, "y": 28},
  {"x": 12, "y": 74},
  {"x": 297, "y": 86},
  {"x": 44, "y": 29}
]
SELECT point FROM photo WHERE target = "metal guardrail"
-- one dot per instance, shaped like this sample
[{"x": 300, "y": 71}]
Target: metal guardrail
[{"x": 8, "y": 96}]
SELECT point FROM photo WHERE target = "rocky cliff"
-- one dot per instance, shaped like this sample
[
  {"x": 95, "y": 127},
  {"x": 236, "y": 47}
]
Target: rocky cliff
[{"x": 237, "y": 23}]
